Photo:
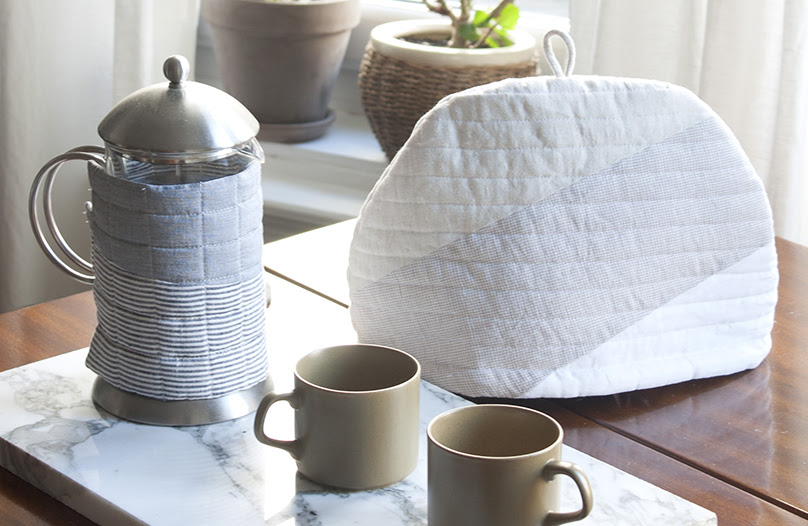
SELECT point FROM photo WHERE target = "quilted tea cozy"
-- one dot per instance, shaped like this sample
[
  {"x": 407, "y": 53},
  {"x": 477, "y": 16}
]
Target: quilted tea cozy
[{"x": 564, "y": 236}]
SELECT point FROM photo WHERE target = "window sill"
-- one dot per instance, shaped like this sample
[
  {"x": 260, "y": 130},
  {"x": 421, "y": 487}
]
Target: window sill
[{"x": 326, "y": 179}]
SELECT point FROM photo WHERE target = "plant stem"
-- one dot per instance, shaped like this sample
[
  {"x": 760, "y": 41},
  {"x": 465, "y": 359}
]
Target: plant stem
[
  {"x": 458, "y": 19},
  {"x": 482, "y": 38},
  {"x": 442, "y": 9},
  {"x": 465, "y": 10},
  {"x": 498, "y": 9}
]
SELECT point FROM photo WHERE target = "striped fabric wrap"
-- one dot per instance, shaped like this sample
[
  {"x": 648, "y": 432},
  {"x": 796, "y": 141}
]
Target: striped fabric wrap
[{"x": 178, "y": 285}]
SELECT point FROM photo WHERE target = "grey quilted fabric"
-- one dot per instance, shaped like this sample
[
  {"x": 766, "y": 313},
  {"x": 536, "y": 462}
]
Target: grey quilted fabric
[{"x": 179, "y": 285}]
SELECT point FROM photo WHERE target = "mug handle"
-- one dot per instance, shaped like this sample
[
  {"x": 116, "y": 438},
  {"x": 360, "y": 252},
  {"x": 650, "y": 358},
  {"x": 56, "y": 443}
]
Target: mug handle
[
  {"x": 562, "y": 467},
  {"x": 45, "y": 178},
  {"x": 290, "y": 446}
]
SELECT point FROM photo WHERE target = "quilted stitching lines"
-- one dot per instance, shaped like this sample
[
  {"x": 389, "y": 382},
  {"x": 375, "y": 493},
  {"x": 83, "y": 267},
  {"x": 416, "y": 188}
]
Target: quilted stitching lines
[{"x": 638, "y": 234}]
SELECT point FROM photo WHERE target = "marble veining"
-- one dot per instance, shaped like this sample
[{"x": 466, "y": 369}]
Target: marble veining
[{"x": 118, "y": 472}]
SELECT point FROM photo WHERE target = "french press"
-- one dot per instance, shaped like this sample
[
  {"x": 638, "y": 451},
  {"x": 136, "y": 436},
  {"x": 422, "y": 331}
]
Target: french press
[{"x": 176, "y": 227}]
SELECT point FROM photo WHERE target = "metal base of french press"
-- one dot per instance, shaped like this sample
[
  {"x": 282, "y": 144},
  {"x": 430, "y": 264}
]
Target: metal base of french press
[{"x": 145, "y": 410}]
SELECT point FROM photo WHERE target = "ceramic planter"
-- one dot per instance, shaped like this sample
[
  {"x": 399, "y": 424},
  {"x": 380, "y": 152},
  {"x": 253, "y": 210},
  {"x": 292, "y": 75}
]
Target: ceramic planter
[
  {"x": 281, "y": 59},
  {"x": 400, "y": 81}
]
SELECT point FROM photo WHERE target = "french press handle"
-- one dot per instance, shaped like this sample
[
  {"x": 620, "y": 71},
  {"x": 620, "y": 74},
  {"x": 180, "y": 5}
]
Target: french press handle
[{"x": 44, "y": 181}]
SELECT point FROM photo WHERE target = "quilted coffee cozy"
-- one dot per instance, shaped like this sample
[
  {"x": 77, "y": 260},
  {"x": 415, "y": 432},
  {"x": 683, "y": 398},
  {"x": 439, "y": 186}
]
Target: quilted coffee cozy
[
  {"x": 179, "y": 284},
  {"x": 564, "y": 236}
]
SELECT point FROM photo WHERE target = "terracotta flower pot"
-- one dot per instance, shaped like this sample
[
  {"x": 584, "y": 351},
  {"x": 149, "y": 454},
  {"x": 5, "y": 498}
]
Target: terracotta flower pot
[
  {"x": 400, "y": 81},
  {"x": 281, "y": 59}
]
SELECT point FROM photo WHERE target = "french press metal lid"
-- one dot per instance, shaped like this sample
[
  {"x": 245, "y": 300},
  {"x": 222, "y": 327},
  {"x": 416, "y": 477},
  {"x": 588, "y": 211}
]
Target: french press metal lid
[
  {"x": 167, "y": 133},
  {"x": 180, "y": 122}
]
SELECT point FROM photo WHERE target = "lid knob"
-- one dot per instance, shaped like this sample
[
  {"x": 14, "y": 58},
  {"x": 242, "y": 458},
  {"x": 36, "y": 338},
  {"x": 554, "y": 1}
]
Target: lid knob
[{"x": 176, "y": 68}]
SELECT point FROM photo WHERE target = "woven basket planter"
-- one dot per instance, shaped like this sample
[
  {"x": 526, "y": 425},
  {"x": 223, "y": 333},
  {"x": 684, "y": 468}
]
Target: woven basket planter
[{"x": 400, "y": 81}]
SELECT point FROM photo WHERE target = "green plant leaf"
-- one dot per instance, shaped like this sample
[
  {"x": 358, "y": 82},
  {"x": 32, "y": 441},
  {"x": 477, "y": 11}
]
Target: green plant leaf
[
  {"x": 480, "y": 19},
  {"x": 508, "y": 17},
  {"x": 492, "y": 42},
  {"x": 469, "y": 32},
  {"x": 503, "y": 36}
]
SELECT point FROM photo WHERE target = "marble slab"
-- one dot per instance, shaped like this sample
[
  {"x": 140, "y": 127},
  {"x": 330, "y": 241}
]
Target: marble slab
[
  {"x": 116, "y": 472},
  {"x": 121, "y": 473}
]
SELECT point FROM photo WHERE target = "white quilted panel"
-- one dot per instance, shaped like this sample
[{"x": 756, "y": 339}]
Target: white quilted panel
[
  {"x": 729, "y": 314},
  {"x": 547, "y": 236},
  {"x": 484, "y": 153}
]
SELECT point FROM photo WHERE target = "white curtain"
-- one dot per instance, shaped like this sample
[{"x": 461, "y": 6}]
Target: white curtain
[
  {"x": 747, "y": 60},
  {"x": 63, "y": 65}
]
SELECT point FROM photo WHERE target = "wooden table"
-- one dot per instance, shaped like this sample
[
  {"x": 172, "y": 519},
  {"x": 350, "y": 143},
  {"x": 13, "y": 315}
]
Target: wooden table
[{"x": 737, "y": 445}]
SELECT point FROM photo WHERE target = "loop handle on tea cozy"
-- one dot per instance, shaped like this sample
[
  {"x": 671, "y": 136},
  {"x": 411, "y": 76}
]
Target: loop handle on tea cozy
[{"x": 551, "y": 58}]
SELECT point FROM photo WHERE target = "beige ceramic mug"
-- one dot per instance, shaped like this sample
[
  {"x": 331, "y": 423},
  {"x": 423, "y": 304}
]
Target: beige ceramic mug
[
  {"x": 356, "y": 416},
  {"x": 497, "y": 464}
]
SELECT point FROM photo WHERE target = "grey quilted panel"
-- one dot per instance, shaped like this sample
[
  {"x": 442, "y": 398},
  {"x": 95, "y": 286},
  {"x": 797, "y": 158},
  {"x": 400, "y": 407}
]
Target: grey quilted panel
[
  {"x": 208, "y": 231},
  {"x": 179, "y": 285}
]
